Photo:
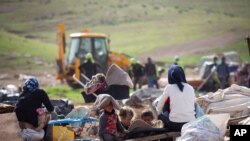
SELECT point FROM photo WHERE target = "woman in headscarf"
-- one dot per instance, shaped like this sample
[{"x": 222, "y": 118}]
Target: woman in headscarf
[
  {"x": 30, "y": 100},
  {"x": 181, "y": 98}
]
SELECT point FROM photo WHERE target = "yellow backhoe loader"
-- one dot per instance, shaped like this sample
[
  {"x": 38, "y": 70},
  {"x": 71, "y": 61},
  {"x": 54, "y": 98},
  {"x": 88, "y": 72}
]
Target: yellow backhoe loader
[{"x": 82, "y": 43}]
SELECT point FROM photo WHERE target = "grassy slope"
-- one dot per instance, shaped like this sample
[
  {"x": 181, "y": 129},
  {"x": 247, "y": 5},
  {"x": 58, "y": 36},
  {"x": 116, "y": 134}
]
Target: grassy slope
[
  {"x": 152, "y": 24},
  {"x": 18, "y": 52},
  {"x": 63, "y": 91},
  {"x": 135, "y": 27}
]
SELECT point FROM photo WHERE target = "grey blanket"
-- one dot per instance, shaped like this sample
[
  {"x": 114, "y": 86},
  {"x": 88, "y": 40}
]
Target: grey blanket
[{"x": 117, "y": 76}]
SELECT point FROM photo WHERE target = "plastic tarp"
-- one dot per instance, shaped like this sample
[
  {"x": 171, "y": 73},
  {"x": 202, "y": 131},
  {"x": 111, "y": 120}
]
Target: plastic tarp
[
  {"x": 205, "y": 128},
  {"x": 78, "y": 113}
]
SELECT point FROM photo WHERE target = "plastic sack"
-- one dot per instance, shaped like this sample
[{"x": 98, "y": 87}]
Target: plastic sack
[
  {"x": 198, "y": 111},
  {"x": 32, "y": 135},
  {"x": 201, "y": 129}
]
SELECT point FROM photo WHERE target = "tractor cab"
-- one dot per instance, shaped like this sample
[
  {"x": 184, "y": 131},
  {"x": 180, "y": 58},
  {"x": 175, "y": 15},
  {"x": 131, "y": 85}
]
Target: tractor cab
[
  {"x": 83, "y": 43},
  {"x": 80, "y": 44}
]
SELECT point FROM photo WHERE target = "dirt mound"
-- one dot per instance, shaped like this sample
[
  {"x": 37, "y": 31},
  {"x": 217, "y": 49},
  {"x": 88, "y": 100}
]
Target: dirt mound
[{"x": 9, "y": 128}]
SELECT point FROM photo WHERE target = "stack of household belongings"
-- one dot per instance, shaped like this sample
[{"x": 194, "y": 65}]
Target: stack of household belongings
[
  {"x": 62, "y": 106},
  {"x": 142, "y": 96},
  {"x": 9, "y": 95},
  {"x": 220, "y": 108},
  {"x": 234, "y": 100},
  {"x": 117, "y": 84},
  {"x": 72, "y": 126},
  {"x": 93, "y": 87},
  {"x": 9, "y": 128}
]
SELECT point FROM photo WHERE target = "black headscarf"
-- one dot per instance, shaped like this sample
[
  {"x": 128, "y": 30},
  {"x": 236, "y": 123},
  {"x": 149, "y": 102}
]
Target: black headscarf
[{"x": 176, "y": 76}]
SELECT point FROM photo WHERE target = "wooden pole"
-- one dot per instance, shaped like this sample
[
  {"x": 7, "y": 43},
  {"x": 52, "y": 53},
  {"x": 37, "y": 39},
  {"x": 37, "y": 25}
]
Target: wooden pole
[{"x": 248, "y": 43}]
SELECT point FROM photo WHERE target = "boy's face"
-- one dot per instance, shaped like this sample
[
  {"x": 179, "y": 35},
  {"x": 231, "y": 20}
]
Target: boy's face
[
  {"x": 148, "y": 119},
  {"x": 127, "y": 120},
  {"x": 108, "y": 108}
]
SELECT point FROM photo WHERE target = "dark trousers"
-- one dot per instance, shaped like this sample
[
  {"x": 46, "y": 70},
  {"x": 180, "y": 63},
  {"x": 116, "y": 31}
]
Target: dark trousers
[
  {"x": 172, "y": 126},
  {"x": 137, "y": 80}
]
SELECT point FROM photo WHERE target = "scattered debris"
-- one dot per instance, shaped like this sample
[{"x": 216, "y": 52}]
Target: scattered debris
[
  {"x": 6, "y": 108},
  {"x": 62, "y": 106},
  {"x": 141, "y": 96},
  {"x": 4, "y": 76}
]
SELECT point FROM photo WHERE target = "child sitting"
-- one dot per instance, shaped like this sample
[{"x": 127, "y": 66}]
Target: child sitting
[
  {"x": 148, "y": 117},
  {"x": 126, "y": 115},
  {"x": 110, "y": 128}
]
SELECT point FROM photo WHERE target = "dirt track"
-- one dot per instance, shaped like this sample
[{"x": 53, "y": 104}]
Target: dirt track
[{"x": 196, "y": 47}]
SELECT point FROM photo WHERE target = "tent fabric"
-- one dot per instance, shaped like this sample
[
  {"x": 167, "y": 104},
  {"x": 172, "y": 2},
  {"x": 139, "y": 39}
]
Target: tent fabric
[
  {"x": 234, "y": 100},
  {"x": 117, "y": 76}
]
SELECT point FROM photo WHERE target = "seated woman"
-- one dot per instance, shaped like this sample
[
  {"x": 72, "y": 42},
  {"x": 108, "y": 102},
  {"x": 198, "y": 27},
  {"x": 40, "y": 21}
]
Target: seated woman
[
  {"x": 126, "y": 115},
  {"x": 181, "y": 98},
  {"x": 28, "y": 109}
]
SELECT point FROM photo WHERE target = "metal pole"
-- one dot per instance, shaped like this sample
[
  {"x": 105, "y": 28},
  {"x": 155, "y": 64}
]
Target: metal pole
[{"x": 84, "y": 86}]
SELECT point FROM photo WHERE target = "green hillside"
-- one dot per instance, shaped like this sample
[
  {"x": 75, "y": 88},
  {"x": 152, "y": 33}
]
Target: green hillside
[
  {"x": 135, "y": 27},
  {"x": 18, "y": 52}
]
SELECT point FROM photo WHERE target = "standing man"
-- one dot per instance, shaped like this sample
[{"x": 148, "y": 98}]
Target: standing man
[
  {"x": 137, "y": 73},
  {"x": 150, "y": 71},
  {"x": 223, "y": 72},
  {"x": 214, "y": 74}
]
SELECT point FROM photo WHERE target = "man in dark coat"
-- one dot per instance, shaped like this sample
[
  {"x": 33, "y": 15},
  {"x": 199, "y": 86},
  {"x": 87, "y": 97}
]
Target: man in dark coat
[
  {"x": 223, "y": 72},
  {"x": 137, "y": 73},
  {"x": 150, "y": 71},
  {"x": 88, "y": 67}
]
